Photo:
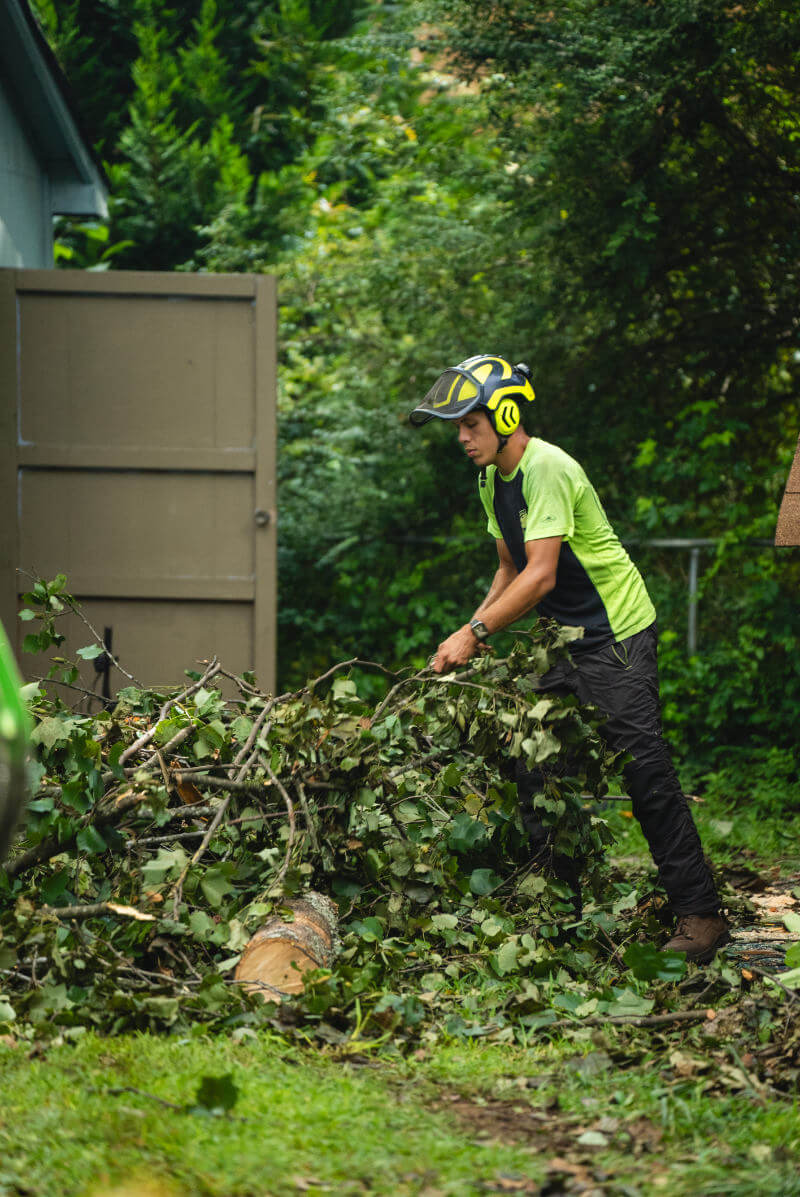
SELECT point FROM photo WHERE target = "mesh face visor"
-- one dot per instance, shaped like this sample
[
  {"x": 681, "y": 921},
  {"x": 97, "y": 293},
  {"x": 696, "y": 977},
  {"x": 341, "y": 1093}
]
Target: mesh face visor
[{"x": 452, "y": 395}]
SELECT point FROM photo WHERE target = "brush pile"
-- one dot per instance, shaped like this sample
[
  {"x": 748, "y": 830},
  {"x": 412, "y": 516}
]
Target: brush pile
[{"x": 164, "y": 831}]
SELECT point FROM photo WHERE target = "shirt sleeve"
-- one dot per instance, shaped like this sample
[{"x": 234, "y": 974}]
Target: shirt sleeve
[{"x": 551, "y": 491}]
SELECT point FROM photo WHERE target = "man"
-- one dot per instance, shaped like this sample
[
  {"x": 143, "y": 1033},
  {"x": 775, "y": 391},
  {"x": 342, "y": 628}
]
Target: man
[{"x": 558, "y": 553}]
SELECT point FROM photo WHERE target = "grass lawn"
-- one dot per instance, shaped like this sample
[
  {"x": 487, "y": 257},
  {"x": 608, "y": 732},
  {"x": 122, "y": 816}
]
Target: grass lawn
[
  {"x": 462, "y": 1119},
  {"x": 681, "y": 1114}
]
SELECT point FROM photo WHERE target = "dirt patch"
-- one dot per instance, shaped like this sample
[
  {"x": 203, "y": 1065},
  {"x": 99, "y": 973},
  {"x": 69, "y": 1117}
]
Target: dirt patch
[
  {"x": 545, "y": 1129},
  {"x": 505, "y": 1122}
]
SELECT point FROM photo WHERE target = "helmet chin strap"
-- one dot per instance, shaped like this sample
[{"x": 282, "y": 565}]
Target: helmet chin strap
[{"x": 502, "y": 441}]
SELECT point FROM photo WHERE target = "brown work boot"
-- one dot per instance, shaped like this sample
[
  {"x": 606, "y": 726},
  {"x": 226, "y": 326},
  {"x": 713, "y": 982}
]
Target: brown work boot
[{"x": 699, "y": 936}]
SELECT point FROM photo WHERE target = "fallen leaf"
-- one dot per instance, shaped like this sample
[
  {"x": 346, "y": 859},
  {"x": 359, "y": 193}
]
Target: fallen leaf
[
  {"x": 684, "y": 1065},
  {"x": 592, "y": 1138},
  {"x": 188, "y": 792}
]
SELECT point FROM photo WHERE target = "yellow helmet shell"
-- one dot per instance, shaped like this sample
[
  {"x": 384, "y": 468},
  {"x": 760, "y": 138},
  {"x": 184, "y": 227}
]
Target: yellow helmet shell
[{"x": 485, "y": 381}]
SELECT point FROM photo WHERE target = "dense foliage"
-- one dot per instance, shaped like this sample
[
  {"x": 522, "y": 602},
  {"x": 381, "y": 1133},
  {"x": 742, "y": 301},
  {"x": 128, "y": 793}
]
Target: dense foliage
[{"x": 609, "y": 191}]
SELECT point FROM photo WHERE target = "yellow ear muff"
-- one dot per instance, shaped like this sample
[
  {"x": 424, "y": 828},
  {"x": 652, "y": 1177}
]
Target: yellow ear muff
[{"x": 506, "y": 417}]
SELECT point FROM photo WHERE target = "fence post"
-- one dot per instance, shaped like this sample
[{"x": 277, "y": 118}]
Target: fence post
[{"x": 691, "y": 630}]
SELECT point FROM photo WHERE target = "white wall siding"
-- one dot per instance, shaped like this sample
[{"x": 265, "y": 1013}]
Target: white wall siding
[{"x": 26, "y": 237}]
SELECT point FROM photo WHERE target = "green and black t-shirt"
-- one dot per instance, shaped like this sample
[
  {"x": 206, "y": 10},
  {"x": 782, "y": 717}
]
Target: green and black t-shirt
[{"x": 597, "y": 585}]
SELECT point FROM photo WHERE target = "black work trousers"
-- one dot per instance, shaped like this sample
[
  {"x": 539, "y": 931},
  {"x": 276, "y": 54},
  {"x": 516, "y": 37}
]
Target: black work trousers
[{"x": 621, "y": 680}]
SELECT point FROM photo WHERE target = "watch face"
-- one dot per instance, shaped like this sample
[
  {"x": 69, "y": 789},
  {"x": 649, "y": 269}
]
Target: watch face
[{"x": 479, "y": 628}]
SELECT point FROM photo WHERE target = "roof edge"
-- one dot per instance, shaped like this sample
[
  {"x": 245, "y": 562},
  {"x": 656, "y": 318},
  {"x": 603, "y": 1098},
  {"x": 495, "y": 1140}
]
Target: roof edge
[{"x": 33, "y": 70}]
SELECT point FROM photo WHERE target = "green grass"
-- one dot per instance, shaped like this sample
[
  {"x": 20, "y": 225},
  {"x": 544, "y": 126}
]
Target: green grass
[
  {"x": 729, "y": 832},
  {"x": 456, "y": 1118},
  {"x": 465, "y": 1119}
]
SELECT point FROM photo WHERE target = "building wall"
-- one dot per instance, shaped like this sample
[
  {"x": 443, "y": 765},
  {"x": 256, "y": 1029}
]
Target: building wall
[{"x": 26, "y": 236}]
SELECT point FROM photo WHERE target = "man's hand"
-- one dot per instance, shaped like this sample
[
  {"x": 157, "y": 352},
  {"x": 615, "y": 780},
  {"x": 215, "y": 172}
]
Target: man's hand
[{"x": 456, "y": 649}]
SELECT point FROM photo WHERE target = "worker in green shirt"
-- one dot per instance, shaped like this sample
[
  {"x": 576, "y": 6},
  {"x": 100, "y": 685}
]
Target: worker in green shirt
[{"x": 559, "y": 554}]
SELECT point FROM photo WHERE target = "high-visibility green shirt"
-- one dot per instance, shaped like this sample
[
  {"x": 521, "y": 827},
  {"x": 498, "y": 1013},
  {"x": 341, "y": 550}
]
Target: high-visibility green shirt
[{"x": 597, "y": 585}]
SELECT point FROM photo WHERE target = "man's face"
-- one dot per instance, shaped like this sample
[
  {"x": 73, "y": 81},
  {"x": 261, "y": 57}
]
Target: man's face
[{"x": 477, "y": 437}]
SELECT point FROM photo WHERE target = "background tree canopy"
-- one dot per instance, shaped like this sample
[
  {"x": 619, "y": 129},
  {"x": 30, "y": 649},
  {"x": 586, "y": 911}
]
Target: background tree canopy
[{"x": 608, "y": 190}]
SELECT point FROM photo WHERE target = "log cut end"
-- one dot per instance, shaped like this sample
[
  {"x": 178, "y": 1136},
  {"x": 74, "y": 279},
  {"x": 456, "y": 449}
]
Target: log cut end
[
  {"x": 788, "y": 529},
  {"x": 281, "y": 952}
]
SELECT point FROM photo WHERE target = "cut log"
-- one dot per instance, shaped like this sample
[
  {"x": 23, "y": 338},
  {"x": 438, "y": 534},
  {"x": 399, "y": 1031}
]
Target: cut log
[
  {"x": 280, "y": 953},
  {"x": 788, "y": 529}
]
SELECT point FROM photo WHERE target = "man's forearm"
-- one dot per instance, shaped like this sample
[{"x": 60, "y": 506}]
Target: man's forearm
[
  {"x": 515, "y": 599},
  {"x": 510, "y": 596},
  {"x": 502, "y": 579}
]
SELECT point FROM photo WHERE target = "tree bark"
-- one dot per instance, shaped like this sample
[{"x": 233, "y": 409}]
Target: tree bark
[{"x": 280, "y": 953}]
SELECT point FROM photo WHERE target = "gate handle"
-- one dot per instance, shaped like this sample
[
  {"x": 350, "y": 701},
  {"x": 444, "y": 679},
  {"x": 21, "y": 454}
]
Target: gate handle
[{"x": 261, "y": 517}]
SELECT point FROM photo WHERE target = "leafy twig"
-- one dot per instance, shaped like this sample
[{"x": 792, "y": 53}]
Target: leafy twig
[
  {"x": 143, "y": 740},
  {"x": 635, "y": 1020},
  {"x": 290, "y": 839},
  {"x": 92, "y": 909},
  {"x": 52, "y": 846}
]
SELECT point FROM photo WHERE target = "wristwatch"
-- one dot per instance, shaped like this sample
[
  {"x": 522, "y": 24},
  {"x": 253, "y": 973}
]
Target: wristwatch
[{"x": 479, "y": 629}]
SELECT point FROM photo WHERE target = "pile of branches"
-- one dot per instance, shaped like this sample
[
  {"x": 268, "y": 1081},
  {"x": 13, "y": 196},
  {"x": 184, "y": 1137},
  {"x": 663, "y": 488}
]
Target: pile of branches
[{"x": 164, "y": 831}]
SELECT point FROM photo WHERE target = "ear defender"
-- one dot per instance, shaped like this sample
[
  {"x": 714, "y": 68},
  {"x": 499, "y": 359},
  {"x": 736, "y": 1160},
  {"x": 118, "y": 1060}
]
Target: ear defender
[
  {"x": 503, "y": 410},
  {"x": 506, "y": 417}
]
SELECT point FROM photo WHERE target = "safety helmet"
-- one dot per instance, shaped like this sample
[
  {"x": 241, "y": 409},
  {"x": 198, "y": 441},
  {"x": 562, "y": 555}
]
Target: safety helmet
[{"x": 483, "y": 381}]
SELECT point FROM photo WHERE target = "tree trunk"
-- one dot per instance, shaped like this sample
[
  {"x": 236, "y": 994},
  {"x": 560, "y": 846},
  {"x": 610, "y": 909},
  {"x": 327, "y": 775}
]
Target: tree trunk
[{"x": 280, "y": 952}]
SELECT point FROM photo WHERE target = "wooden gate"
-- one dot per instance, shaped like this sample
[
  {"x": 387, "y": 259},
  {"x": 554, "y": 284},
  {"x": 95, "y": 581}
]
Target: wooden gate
[{"x": 137, "y": 456}]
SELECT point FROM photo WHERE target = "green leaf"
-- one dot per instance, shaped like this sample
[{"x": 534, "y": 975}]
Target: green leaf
[
  {"x": 91, "y": 652},
  {"x": 504, "y": 960},
  {"x": 168, "y": 862},
  {"x": 53, "y": 887},
  {"x": 532, "y": 885},
  {"x": 791, "y": 922},
  {"x": 451, "y": 777},
  {"x": 792, "y": 959},
  {"x": 466, "y": 833},
  {"x": 241, "y": 728},
  {"x": 483, "y": 881},
  {"x": 52, "y": 731},
  {"x": 90, "y": 840},
  {"x": 790, "y": 979},
  {"x": 370, "y": 929},
  {"x": 41, "y": 805},
  {"x": 215, "y": 883},
  {"x": 625, "y": 1001},
  {"x": 626, "y": 902},
  {"x": 647, "y": 963},
  {"x": 167, "y": 728},
  {"x": 540, "y": 709},
  {"x": 115, "y": 753}
]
